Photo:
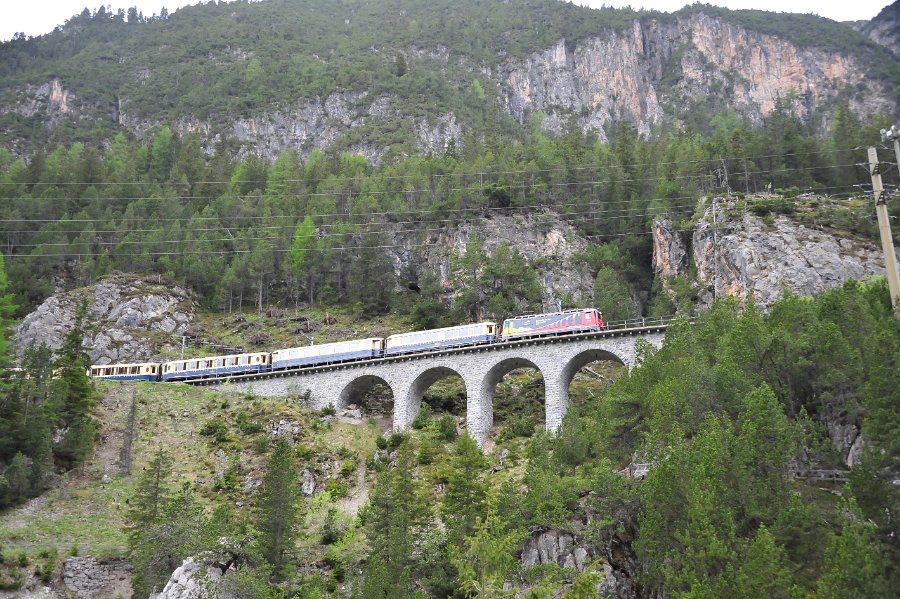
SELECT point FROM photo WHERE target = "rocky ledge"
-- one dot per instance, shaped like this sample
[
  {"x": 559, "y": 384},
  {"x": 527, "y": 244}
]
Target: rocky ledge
[{"x": 124, "y": 315}]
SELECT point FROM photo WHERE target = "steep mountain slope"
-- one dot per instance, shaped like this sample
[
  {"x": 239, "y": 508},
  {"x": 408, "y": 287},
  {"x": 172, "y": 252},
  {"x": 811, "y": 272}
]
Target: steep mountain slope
[
  {"x": 388, "y": 77},
  {"x": 885, "y": 27}
]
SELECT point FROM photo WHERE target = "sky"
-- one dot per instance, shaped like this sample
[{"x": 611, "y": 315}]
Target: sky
[{"x": 36, "y": 17}]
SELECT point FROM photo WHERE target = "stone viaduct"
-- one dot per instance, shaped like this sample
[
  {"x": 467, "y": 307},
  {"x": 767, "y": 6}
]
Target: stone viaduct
[{"x": 481, "y": 367}]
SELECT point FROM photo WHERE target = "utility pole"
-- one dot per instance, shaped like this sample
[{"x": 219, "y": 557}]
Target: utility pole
[{"x": 884, "y": 227}]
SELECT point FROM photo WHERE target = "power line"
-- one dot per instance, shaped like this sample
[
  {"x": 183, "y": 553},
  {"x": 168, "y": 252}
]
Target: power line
[{"x": 475, "y": 173}]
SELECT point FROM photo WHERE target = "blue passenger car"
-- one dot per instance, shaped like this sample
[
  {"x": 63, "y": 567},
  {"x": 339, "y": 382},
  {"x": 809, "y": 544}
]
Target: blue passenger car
[
  {"x": 146, "y": 371},
  {"x": 216, "y": 366},
  {"x": 358, "y": 349},
  {"x": 482, "y": 332}
]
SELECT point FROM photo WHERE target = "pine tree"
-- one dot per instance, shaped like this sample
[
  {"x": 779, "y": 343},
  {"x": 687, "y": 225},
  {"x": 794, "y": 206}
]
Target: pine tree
[
  {"x": 7, "y": 308},
  {"x": 465, "y": 492},
  {"x": 277, "y": 506},
  {"x": 854, "y": 567},
  {"x": 151, "y": 497},
  {"x": 765, "y": 569}
]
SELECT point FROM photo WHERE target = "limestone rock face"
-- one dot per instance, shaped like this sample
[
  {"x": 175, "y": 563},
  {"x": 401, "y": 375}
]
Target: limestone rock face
[
  {"x": 554, "y": 547},
  {"x": 629, "y": 75},
  {"x": 885, "y": 27},
  {"x": 539, "y": 235},
  {"x": 194, "y": 580},
  {"x": 745, "y": 254},
  {"x": 126, "y": 317},
  {"x": 765, "y": 259},
  {"x": 669, "y": 249}
]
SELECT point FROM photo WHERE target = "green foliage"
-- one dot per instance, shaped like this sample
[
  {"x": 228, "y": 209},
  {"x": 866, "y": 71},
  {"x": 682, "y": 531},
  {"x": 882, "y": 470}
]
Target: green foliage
[
  {"x": 446, "y": 428},
  {"x": 395, "y": 519},
  {"x": 423, "y": 418},
  {"x": 216, "y": 428},
  {"x": 277, "y": 506}
]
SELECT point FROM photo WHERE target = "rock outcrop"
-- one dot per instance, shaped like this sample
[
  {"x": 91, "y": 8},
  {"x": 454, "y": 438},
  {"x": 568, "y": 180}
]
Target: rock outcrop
[
  {"x": 554, "y": 547},
  {"x": 542, "y": 236},
  {"x": 194, "y": 579},
  {"x": 745, "y": 254},
  {"x": 126, "y": 318},
  {"x": 885, "y": 27}
]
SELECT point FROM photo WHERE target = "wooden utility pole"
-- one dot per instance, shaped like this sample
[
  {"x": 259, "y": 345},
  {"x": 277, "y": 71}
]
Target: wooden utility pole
[{"x": 884, "y": 227}]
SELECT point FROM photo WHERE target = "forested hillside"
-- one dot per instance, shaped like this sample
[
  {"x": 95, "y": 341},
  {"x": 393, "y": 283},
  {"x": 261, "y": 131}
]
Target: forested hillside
[{"x": 321, "y": 230}]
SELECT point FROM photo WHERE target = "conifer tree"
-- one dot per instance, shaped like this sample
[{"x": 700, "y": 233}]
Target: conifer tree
[
  {"x": 465, "y": 491},
  {"x": 277, "y": 506}
]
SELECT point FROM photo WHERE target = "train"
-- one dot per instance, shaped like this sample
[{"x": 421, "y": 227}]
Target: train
[{"x": 516, "y": 328}]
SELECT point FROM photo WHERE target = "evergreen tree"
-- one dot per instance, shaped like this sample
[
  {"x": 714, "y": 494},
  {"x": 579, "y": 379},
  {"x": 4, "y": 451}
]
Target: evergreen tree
[
  {"x": 7, "y": 309},
  {"x": 855, "y": 567},
  {"x": 277, "y": 506},
  {"x": 765, "y": 570},
  {"x": 395, "y": 517},
  {"x": 465, "y": 491}
]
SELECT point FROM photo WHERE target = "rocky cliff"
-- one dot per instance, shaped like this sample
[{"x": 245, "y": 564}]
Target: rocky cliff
[
  {"x": 127, "y": 317},
  {"x": 743, "y": 254},
  {"x": 543, "y": 239},
  {"x": 661, "y": 68}
]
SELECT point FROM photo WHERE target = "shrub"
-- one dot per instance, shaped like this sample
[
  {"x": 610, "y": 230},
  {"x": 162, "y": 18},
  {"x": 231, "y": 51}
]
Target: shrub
[
  {"x": 396, "y": 440},
  {"x": 329, "y": 410},
  {"x": 261, "y": 444},
  {"x": 423, "y": 418},
  {"x": 381, "y": 442},
  {"x": 215, "y": 428},
  {"x": 518, "y": 426},
  {"x": 446, "y": 428},
  {"x": 248, "y": 426}
]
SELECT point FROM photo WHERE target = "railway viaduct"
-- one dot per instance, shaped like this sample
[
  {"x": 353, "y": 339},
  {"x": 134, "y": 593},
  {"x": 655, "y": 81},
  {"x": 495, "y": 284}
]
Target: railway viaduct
[{"x": 481, "y": 367}]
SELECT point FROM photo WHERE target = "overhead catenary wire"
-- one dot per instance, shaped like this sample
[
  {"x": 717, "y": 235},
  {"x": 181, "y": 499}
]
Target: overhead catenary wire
[
  {"x": 479, "y": 187},
  {"x": 486, "y": 172},
  {"x": 572, "y": 217}
]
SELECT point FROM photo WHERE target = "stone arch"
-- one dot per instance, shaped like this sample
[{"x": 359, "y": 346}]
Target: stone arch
[
  {"x": 556, "y": 384},
  {"x": 412, "y": 402},
  {"x": 358, "y": 386},
  {"x": 582, "y": 359},
  {"x": 480, "y": 408}
]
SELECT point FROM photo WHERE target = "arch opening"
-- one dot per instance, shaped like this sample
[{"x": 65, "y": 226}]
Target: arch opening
[
  {"x": 372, "y": 395},
  {"x": 585, "y": 377},
  {"x": 441, "y": 389},
  {"x": 515, "y": 396}
]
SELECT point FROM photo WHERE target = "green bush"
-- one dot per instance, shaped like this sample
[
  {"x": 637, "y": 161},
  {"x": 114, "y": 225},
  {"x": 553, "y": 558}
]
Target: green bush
[
  {"x": 261, "y": 444},
  {"x": 215, "y": 428},
  {"x": 396, "y": 440},
  {"x": 329, "y": 410},
  {"x": 423, "y": 418},
  {"x": 381, "y": 442},
  {"x": 446, "y": 428},
  {"x": 518, "y": 426},
  {"x": 248, "y": 426}
]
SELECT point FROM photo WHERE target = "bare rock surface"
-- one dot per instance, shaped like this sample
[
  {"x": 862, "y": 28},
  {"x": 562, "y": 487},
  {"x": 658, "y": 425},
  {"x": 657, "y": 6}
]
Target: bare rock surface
[
  {"x": 194, "y": 579},
  {"x": 746, "y": 254},
  {"x": 124, "y": 315},
  {"x": 542, "y": 237}
]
